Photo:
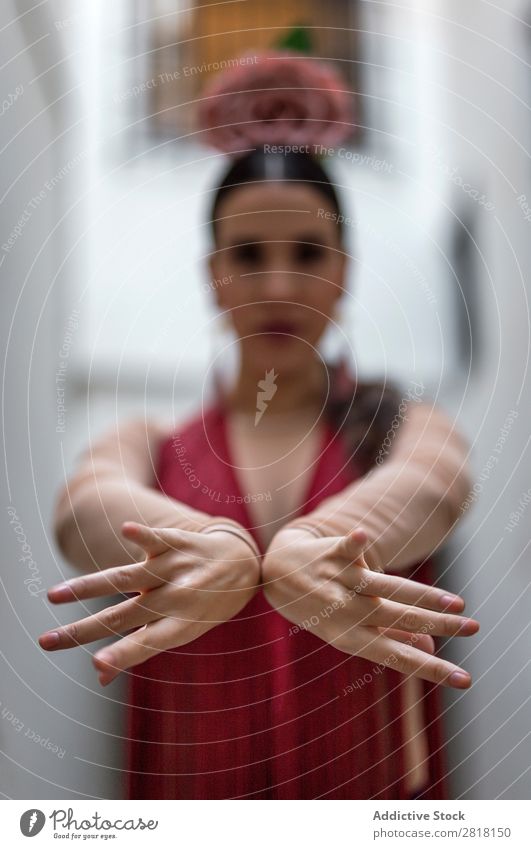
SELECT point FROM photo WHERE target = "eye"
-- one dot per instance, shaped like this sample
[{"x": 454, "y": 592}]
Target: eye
[
  {"x": 249, "y": 253},
  {"x": 305, "y": 252}
]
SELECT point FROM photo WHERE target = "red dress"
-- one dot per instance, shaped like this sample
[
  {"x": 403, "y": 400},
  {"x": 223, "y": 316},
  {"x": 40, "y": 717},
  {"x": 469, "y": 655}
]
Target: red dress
[{"x": 255, "y": 708}]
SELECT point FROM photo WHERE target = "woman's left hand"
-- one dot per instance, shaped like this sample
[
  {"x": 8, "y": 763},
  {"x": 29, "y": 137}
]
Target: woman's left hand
[
  {"x": 188, "y": 583},
  {"x": 324, "y": 585}
]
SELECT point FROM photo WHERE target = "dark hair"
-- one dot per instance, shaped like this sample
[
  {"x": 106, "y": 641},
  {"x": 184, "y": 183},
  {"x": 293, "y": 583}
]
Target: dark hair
[
  {"x": 366, "y": 409},
  {"x": 261, "y": 166},
  {"x": 365, "y": 412}
]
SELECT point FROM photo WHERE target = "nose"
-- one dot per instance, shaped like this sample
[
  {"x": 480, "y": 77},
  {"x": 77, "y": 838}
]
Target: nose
[{"x": 279, "y": 285}]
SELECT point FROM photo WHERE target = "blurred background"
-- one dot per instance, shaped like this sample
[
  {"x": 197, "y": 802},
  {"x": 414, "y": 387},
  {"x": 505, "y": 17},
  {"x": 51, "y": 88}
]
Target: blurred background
[{"x": 105, "y": 311}]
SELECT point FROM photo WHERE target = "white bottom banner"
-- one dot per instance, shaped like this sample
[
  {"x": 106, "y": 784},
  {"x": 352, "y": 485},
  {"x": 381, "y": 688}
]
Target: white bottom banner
[{"x": 266, "y": 824}]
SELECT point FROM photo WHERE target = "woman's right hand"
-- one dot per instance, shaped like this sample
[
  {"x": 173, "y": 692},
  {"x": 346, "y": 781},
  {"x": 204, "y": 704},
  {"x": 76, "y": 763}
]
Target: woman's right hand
[
  {"x": 324, "y": 585},
  {"x": 189, "y": 583}
]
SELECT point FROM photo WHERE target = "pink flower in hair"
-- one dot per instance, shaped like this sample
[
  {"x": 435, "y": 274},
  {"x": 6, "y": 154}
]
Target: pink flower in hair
[{"x": 275, "y": 98}]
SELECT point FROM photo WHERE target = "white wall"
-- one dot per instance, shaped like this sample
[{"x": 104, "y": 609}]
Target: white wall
[
  {"x": 44, "y": 698},
  {"x": 488, "y": 129}
]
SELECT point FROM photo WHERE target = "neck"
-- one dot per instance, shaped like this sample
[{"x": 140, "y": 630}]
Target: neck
[{"x": 296, "y": 391}]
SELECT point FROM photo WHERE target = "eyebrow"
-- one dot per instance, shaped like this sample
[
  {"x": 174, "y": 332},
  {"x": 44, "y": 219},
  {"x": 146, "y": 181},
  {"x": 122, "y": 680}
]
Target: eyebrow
[
  {"x": 308, "y": 238},
  {"x": 245, "y": 240},
  {"x": 312, "y": 238}
]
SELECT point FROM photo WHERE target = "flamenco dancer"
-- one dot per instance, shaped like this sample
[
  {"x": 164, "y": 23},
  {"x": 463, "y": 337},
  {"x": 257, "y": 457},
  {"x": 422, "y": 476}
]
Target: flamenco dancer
[{"x": 279, "y": 601}]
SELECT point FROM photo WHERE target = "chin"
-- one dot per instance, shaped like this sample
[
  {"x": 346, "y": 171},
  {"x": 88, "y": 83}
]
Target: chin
[
  {"x": 282, "y": 362},
  {"x": 284, "y": 348}
]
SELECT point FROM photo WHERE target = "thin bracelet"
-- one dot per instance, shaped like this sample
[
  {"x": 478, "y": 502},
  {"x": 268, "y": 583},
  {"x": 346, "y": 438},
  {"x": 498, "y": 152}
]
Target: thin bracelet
[
  {"x": 234, "y": 529},
  {"x": 304, "y": 527}
]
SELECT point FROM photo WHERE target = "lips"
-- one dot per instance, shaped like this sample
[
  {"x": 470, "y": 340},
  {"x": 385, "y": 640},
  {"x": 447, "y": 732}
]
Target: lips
[{"x": 285, "y": 328}]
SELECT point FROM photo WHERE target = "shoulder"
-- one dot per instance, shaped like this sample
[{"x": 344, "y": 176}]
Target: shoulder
[
  {"x": 142, "y": 430},
  {"x": 134, "y": 433},
  {"x": 427, "y": 417},
  {"x": 192, "y": 431},
  {"x": 429, "y": 433},
  {"x": 145, "y": 429}
]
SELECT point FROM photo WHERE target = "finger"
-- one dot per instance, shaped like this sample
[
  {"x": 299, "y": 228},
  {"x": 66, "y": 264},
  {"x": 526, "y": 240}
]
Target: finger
[
  {"x": 390, "y": 614},
  {"x": 121, "y": 617},
  {"x": 352, "y": 545},
  {"x": 118, "y": 579},
  {"x": 137, "y": 647},
  {"x": 421, "y": 641},
  {"x": 154, "y": 541},
  {"x": 403, "y": 590},
  {"x": 411, "y": 661}
]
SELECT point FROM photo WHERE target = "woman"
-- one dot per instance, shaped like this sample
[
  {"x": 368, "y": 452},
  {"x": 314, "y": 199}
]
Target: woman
[{"x": 276, "y": 643}]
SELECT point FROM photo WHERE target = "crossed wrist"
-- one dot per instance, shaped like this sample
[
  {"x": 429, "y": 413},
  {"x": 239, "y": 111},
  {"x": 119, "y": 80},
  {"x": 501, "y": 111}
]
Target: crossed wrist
[
  {"x": 300, "y": 525},
  {"x": 236, "y": 529}
]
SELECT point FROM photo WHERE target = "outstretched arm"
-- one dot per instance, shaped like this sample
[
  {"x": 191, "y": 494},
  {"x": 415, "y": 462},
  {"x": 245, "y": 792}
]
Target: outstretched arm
[
  {"x": 407, "y": 505},
  {"x": 114, "y": 484}
]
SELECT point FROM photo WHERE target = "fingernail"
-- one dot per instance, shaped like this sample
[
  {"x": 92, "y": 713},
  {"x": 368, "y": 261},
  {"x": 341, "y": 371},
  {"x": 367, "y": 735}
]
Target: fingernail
[
  {"x": 61, "y": 590},
  {"x": 459, "y": 679},
  {"x": 449, "y": 600},
  {"x": 49, "y": 640},
  {"x": 468, "y": 627}
]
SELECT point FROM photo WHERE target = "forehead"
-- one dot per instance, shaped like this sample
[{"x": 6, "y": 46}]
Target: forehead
[{"x": 274, "y": 210}]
